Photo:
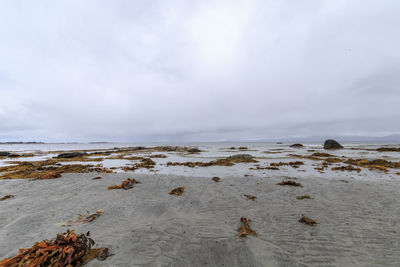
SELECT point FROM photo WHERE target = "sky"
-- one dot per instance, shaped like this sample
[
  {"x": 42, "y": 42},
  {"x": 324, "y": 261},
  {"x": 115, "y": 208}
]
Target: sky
[{"x": 198, "y": 70}]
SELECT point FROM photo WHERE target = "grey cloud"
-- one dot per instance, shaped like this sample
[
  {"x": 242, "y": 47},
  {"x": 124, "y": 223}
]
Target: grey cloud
[{"x": 198, "y": 70}]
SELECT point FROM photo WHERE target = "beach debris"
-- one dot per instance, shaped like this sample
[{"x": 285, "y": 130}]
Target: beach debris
[
  {"x": 291, "y": 183},
  {"x": 96, "y": 178},
  {"x": 296, "y": 145},
  {"x": 127, "y": 184},
  {"x": 344, "y": 181},
  {"x": 6, "y": 197},
  {"x": 303, "y": 197},
  {"x": 51, "y": 175},
  {"x": 177, "y": 191},
  {"x": 68, "y": 249},
  {"x": 306, "y": 220},
  {"x": 250, "y": 197},
  {"x": 332, "y": 144},
  {"x": 346, "y": 168},
  {"x": 83, "y": 218},
  {"x": 245, "y": 230},
  {"x": 216, "y": 179}
]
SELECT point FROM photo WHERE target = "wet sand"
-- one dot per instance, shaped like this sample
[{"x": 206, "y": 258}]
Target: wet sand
[{"x": 359, "y": 221}]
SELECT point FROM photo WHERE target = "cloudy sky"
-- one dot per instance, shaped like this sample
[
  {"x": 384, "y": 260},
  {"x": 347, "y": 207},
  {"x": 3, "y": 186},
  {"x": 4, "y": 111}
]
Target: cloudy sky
[{"x": 198, "y": 70}]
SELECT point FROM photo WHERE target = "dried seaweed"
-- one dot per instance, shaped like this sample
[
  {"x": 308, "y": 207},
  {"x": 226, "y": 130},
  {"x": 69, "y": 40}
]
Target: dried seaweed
[
  {"x": 344, "y": 181},
  {"x": 291, "y": 183},
  {"x": 245, "y": 230},
  {"x": 216, "y": 179},
  {"x": 6, "y": 197},
  {"x": 377, "y": 164},
  {"x": 250, "y": 197},
  {"x": 96, "y": 178},
  {"x": 68, "y": 249},
  {"x": 306, "y": 220},
  {"x": 229, "y": 161},
  {"x": 346, "y": 168},
  {"x": 294, "y": 164},
  {"x": 177, "y": 191},
  {"x": 51, "y": 175},
  {"x": 388, "y": 149},
  {"x": 83, "y": 218},
  {"x": 127, "y": 184},
  {"x": 303, "y": 197}
]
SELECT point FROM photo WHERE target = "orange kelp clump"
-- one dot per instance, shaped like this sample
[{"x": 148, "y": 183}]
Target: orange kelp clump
[
  {"x": 245, "y": 229},
  {"x": 127, "y": 184},
  {"x": 68, "y": 249},
  {"x": 177, "y": 191}
]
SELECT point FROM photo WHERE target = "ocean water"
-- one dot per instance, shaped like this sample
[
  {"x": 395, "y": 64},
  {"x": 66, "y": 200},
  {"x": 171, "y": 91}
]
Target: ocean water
[{"x": 265, "y": 153}]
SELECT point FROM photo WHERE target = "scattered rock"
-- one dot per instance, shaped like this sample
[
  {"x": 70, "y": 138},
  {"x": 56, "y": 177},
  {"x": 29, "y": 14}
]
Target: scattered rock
[
  {"x": 306, "y": 220},
  {"x": 332, "y": 144},
  {"x": 194, "y": 150},
  {"x": 177, "y": 191},
  {"x": 296, "y": 145},
  {"x": 4, "y": 154},
  {"x": 245, "y": 230},
  {"x": 243, "y": 147},
  {"x": 388, "y": 149}
]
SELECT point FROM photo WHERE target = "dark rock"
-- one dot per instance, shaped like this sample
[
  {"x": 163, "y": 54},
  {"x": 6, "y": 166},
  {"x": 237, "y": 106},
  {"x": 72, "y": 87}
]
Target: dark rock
[
  {"x": 332, "y": 144},
  {"x": 169, "y": 148},
  {"x": 296, "y": 145},
  {"x": 4, "y": 154},
  {"x": 194, "y": 150},
  {"x": 71, "y": 155},
  {"x": 241, "y": 156},
  {"x": 13, "y": 155}
]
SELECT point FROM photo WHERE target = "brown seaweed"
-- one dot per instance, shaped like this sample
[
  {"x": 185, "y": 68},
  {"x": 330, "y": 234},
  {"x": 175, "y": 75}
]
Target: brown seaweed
[
  {"x": 291, "y": 183},
  {"x": 6, "y": 197},
  {"x": 303, "y": 197},
  {"x": 127, "y": 184},
  {"x": 216, "y": 179},
  {"x": 307, "y": 221},
  {"x": 245, "y": 230},
  {"x": 68, "y": 249},
  {"x": 250, "y": 197},
  {"x": 177, "y": 191},
  {"x": 83, "y": 218}
]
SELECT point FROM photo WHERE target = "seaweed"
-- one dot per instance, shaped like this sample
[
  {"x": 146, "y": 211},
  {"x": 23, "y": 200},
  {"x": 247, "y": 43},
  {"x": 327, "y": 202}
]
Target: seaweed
[
  {"x": 96, "y": 178},
  {"x": 294, "y": 164},
  {"x": 68, "y": 249},
  {"x": 346, "y": 168},
  {"x": 83, "y": 218},
  {"x": 303, "y": 197},
  {"x": 307, "y": 221},
  {"x": 245, "y": 230},
  {"x": 216, "y": 179},
  {"x": 291, "y": 183},
  {"x": 229, "y": 161},
  {"x": 127, "y": 184},
  {"x": 6, "y": 197},
  {"x": 177, "y": 191},
  {"x": 250, "y": 197}
]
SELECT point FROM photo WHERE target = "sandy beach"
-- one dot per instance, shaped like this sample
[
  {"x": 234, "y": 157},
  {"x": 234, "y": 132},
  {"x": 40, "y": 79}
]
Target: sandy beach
[
  {"x": 145, "y": 226},
  {"x": 357, "y": 212}
]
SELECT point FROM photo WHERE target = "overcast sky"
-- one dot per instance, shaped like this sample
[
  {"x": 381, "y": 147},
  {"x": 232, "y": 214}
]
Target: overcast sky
[{"x": 198, "y": 70}]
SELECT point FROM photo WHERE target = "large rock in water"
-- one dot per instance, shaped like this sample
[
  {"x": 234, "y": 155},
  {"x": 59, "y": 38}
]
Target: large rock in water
[{"x": 332, "y": 144}]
